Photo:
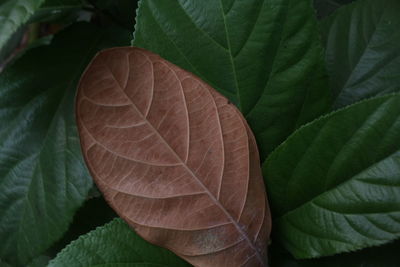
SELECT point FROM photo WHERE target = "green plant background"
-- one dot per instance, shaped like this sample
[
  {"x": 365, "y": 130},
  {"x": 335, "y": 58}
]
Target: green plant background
[{"x": 316, "y": 81}]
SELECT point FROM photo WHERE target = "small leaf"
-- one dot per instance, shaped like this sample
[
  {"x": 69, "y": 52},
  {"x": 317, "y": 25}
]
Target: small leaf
[
  {"x": 265, "y": 56},
  {"x": 362, "y": 50},
  {"x": 114, "y": 244},
  {"x": 335, "y": 183},
  {"x": 174, "y": 158},
  {"x": 43, "y": 177},
  {"x": 13, "y": 14}
]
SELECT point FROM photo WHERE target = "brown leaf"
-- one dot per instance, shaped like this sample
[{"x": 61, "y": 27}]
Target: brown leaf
[{"x": 173, "y": 158}]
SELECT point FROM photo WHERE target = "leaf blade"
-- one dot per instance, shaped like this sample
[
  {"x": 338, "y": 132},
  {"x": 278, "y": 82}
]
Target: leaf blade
[
  {"x": 39, "y": 129},
  {"x": 255, "y": 61},
  {"x": 124, "y": 248},
  {"x": 325, "y": 197},
  {"x": 158, "y": 140},
  {"x": 361, "y": 50}
]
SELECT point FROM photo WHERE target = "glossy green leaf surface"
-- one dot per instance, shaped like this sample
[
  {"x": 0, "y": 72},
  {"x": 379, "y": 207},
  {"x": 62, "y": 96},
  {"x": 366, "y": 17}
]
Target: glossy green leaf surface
[
  {"x": 334, "y": 185},
  {"x": 13, "y": 14},
  {"x": 264, "y": 56},
  {"x": 115, "y": 245},
  {"x": 43, "y": 177},
  {"x": 362, "y": 50}
]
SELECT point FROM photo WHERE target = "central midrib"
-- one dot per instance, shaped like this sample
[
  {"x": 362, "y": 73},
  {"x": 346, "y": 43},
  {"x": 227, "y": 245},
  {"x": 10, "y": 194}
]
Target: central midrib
[
  {"x": 228, "y": 41},
  {"x": 216, "y": 202}
]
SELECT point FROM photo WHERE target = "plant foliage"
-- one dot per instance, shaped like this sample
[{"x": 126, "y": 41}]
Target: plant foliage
[{"x": 316, "y": 81}]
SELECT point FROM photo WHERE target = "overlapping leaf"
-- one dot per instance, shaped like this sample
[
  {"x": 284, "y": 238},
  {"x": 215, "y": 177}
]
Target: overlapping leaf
[
  {"x": 43, "y": 179},
  {"x": 335, "y": 183},
  {"x": 362, "y": 50},
  {"x": 265, "y": 56},
  {"x": 115, "y": 244},
  {"x": 174, "y": 158}
]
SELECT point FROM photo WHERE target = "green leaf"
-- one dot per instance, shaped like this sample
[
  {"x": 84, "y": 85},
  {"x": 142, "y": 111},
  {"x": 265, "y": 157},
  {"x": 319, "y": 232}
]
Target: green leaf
[
  {"x": 382, "y": 256},
  {"x": 13, "y": 14},
  {"x": 362, "y": 50},
  {"x": 4, "y": 264},
  {"x": 43, "y": 178},
  {"x": 93, "y": 213},
  {"x": 114, "y": 244},
  {"x": 334, "y": 185},
  {"x": 264, "y": 56},
  {"x": 40, "y": 261}
]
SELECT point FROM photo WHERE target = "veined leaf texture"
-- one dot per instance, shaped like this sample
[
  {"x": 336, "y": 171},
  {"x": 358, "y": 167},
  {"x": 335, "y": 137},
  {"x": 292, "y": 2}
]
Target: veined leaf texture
[{"x": 174, "y": 158}]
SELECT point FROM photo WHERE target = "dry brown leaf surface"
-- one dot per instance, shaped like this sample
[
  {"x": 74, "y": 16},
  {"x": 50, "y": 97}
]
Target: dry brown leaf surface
[{"x": 173, "y": 158}]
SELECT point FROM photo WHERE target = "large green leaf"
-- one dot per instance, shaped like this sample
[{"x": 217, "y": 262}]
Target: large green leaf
[
  {"x": 13, "y": 14},
  {"x": 334, "y": 185},
  {"x": 114, "y": 244},
  {"x": 362, "y": 50},
  {"x": 43, "y": 179},
  {"x": 263, "y": 55}
]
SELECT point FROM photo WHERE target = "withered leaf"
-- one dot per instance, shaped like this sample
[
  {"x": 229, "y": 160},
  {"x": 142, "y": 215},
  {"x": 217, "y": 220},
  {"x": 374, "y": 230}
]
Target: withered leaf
[{"x": 173, "y": 158}]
